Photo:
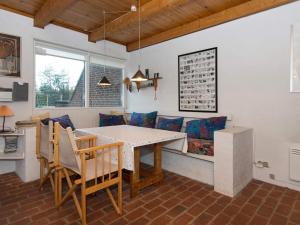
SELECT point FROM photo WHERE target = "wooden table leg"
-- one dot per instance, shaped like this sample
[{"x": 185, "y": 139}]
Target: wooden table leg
[
  {"x": 158, "y": 162},
  {"x": 157, "y": 158},
  {"x": 135, "y": 175}
]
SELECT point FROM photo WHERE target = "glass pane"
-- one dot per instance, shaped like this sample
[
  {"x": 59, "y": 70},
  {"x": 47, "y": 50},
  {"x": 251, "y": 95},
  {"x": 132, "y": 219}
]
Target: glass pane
[
  {"x": 105, "y": 96},
  {"x": 60, "y": 82}
]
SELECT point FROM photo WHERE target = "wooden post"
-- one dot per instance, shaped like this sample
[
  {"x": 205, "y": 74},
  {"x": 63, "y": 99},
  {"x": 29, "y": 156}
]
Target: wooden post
[
  {"x": 135, "y": 176},
  {"x": 83, "y": 189},
  {"x": 157, "y": 158}
]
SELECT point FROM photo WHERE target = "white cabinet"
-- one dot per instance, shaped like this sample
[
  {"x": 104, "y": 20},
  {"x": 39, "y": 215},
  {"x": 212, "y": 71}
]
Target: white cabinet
[
  {"x": 27, "y": 165},
  {"x": 233, "y": 159},
  {"x": 28, "y": 168}
]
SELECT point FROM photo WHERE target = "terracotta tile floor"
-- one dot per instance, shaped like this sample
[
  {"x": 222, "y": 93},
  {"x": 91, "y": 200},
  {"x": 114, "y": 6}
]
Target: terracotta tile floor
[{"x": 178, "y": 200}]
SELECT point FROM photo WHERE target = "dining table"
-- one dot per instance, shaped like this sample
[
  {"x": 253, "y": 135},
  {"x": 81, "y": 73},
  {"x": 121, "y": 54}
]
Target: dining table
[{"x": 135, "y": 139}]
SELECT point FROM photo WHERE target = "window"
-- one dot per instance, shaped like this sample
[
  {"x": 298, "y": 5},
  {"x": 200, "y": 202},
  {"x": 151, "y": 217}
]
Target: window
[{"x": 68, "y": 78}]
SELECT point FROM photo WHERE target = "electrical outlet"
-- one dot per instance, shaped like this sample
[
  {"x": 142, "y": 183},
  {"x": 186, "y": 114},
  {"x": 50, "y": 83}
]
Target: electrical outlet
[
  {"x": 265, "y": 164},
  {"x": 272, "y": 176},
  {"x": 261, "y": 164}
]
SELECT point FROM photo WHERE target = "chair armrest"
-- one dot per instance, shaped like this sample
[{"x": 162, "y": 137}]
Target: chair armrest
[
  {"x": 99, "y": 148},
  {"x": 85, "y": 138}
]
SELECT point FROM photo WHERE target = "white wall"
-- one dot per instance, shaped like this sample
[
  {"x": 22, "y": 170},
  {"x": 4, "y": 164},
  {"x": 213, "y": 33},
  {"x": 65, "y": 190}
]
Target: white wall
[
  {"x": 253, "y": 81},
  {"x": 18, "y": 25}
]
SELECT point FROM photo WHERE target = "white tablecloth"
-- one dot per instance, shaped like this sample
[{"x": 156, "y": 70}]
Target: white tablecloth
[{"x": 133, "y": 136}]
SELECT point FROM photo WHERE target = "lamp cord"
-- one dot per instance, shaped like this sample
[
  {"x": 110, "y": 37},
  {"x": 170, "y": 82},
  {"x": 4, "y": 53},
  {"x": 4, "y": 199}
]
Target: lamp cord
[
  {"x": 139, "y": 5},
  {"x": 104, "y": 31}
]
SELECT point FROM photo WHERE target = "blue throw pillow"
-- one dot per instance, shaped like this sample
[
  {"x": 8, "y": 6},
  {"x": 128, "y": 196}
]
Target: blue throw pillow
[
  {"x": 110, "y": 120},
  {"x": 143, "y": 119},
  {"x": 214, "y": 124},
  {"x": 197, "y": 129},
  {"x": 170, "y": 124},
  {"x": 64, "y": 121},
  {"x": 205, "y": 128}
]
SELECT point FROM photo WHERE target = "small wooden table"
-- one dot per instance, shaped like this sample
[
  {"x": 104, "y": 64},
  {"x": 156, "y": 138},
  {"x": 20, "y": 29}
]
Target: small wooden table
[{"x": 134, "y": 139}]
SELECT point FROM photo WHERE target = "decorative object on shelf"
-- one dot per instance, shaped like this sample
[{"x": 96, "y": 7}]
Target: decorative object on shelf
[
  {"x": 150, "y": 82},
  {"x": 5, "y": 111},
  {"x": 197, "y": 81},
  {"x": 147, "y": 73},
  {"x": 128, "y": 84},
  {"x": 11, "y": 144},
  {"x": 9, "y": 55},
  {"x": 139, "y": 76}
]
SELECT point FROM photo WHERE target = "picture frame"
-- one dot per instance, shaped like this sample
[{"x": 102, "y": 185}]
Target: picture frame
[
  {"x": 10, "y": 56},
  {"x": 197, "y": 81}
]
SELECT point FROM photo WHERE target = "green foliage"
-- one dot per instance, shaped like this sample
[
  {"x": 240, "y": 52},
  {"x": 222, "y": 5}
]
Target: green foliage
[{"x": 54, "y": 89}]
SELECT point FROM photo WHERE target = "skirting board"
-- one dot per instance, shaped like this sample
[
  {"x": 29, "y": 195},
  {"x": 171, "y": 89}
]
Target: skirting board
[{"x": 195, "y": 169}]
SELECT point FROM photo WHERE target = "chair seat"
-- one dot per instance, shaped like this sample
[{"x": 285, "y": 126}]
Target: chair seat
[{"x": 90, "y": 168}]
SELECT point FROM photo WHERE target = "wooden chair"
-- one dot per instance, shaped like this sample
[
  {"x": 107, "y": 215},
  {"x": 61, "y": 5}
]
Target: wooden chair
[
  {"x": 99, "y": 171},
  {"x": 45, "y": 149}
]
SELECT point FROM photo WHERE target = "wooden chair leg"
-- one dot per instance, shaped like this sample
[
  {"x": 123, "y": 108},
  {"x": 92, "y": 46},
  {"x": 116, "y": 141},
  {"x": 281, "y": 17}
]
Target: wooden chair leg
[
  {"x": 42, "y": 172},
  {"x": 59, "y": 188},
  {"x": 83, "y": 203},
  {"x": 56, "y": 188},
  {"x": 120, "y": 195},
  {"x": 50, "y": 175}
]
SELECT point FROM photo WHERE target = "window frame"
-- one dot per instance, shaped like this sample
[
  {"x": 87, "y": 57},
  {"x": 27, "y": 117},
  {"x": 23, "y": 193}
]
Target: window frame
[{"x": 88, "y": 56}]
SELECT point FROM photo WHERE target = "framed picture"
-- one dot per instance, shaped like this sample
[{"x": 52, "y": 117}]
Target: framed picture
[
  {"x": 197, "y": 81},
  {"x": 9, "y": 55}
]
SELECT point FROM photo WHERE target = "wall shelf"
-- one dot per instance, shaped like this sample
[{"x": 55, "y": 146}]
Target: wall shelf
[{"x": 11, "y": 156}]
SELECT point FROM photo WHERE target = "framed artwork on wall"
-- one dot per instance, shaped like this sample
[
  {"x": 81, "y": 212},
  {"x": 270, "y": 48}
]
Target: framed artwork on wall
[
  {"x": 9, "y": 55},
  {"x": 197, "y": 81}
]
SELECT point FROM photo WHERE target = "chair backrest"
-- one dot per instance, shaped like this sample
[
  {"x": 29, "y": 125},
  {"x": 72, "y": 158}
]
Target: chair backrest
[
  {"x": 37, "y": 119},
  {"x": 46, "y": 141},
  {"x": 65, "y": 145}
]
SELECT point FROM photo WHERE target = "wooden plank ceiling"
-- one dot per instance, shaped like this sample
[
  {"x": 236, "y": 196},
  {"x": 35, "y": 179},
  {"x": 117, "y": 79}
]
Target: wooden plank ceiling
[{"x": 161, "y": 20}]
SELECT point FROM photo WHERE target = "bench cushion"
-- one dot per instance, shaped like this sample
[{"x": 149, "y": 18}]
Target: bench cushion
[
  {"x": 170, "y": 124},
  {"x": 201, "y": 146},
  {"x": 205, "y": 128},
  {"x": 110, "y": 120},
  {"x": 143, "y": 119}
]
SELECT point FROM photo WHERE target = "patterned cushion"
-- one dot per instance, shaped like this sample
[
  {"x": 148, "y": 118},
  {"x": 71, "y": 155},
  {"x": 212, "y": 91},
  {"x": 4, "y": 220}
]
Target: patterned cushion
[
  {"x": 197, "y": 129},
  {"x": 170, "y": 124},
  {"x": 205, "y": 128},
  {"x": 110, "y": 120},
  {"x": 64, "y": 121},
  {"x": 214, "y": 124},
  {"x": 201, "y": 146},
  {"x": 143, "y": 119}
]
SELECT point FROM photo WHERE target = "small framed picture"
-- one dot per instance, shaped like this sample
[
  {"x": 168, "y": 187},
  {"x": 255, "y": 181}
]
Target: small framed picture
[{"x": 10, "y": 55}]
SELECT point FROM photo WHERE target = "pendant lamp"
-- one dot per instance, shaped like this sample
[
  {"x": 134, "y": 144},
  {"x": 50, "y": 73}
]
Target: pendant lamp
[{"x": 139, "y": 76}]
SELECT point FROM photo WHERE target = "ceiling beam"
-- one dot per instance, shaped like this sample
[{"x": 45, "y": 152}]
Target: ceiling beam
[
  {"x": 50, "y": 10},
  {"x": 148, "y": 10},
  {"x": 242, "y": 10}
]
